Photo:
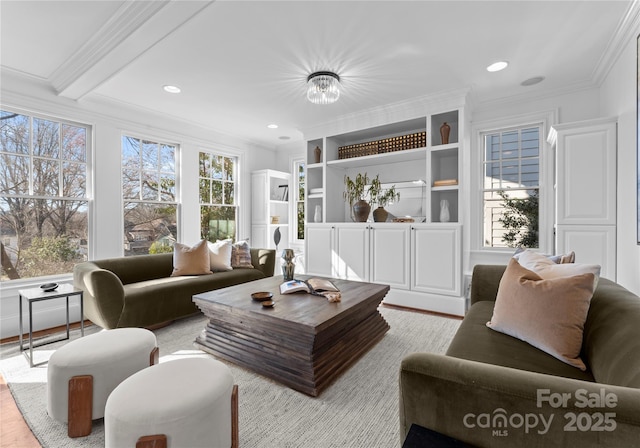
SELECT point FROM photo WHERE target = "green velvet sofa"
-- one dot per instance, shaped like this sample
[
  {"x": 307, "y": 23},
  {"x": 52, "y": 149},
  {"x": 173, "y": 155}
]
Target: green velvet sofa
[
  {"x": 138, "y": 291},
  {"x": 493, "y": 390}
]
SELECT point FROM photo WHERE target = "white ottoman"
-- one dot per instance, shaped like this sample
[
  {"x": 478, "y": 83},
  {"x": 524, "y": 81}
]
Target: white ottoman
[
  {"x": 82, "y": 374},
  {"x": 186, "y": 403}
]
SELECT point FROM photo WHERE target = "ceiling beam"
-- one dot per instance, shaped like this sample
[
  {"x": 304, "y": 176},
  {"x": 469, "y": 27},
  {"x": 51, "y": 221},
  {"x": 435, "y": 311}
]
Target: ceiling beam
[{"x": 134, "y": 29}]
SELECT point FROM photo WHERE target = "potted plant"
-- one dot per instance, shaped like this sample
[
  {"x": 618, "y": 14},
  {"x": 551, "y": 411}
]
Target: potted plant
[
  {"x": 355, "y": 194},
  {"x": 381, "y": 197}
]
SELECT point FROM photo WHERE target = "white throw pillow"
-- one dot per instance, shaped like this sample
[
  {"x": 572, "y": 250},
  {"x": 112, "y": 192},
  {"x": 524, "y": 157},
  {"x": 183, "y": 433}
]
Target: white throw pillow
[
  {"x": 220, "y": 255},
  {"x": 548, "y": 269}
]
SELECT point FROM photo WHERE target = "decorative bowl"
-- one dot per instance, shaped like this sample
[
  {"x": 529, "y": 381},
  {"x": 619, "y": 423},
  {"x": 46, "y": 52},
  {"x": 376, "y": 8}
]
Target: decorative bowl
[
  {"x": 268, "y": 303},
  {"x": 261, "y": 296},
  {"x": 48, "y": 287}
]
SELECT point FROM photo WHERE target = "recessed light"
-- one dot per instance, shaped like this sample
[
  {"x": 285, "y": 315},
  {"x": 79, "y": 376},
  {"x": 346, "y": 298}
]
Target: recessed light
[
  {"x": 272, "y": 126},
  {"x": 532, "y": 81},
  {"x": 497, "y": 66},
  {"x": 171, "y": 89}
]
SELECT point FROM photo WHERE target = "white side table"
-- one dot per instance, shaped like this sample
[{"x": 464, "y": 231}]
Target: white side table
[{"x": 36, "y": 295}]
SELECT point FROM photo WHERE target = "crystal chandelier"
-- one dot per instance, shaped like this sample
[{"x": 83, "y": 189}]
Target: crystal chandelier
[{"x": 323, "y": 87}]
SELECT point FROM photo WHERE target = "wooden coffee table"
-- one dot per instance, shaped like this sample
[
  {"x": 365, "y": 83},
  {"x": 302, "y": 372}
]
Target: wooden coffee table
[{"x": 304, "y": 341}]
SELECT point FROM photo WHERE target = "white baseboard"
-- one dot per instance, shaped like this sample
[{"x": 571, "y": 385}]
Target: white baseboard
[{"x": 424, "y": 301}]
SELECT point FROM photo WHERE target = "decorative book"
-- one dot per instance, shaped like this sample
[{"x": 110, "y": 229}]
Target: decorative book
[{"x": 315, "y": 286}]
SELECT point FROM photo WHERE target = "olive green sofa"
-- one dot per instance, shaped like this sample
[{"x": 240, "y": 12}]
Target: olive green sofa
[
  {"x": 493, "y": 390},
  {"x": 138, "y": 291}
]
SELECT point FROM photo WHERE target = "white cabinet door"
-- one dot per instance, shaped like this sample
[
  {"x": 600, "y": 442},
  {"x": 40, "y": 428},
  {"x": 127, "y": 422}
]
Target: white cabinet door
[
  {"x": 586, "y": 173},
  {"x": 592, "y": 245},
  {"x": 351, "y": 260},
  {"x": 390, "y": 249},
  {"x": 319, "y": 243},
  {"x": 436, "y": 259}
]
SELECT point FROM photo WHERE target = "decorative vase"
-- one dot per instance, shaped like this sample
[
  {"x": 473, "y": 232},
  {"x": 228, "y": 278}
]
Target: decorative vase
[
  {"x": 444, "y": 211},
  {"x": 361, "y": 211},
  {"x": 380, "y": 214},
  {"x": 445, "y": 129},
  {"x": 317, "y": 217},
  {"x": 288, "y": 267},
  {"x": 318, "y": 154}
]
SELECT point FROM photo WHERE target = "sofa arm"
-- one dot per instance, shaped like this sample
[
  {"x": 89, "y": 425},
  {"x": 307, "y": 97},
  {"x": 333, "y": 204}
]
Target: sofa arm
[
  {"x": 264, "y": 259},
  {"x": 103, "y": 294},
  {"x": 493, "y": 406},
  {"x": 485, "y": 281}
]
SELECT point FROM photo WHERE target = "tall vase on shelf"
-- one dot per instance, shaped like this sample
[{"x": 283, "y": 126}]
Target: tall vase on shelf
[
  {"x": 445, "y": 129},
  {"x": 444, "y": 211},
  {"x": 317, "y": 154},
  {"x": 317, "y": 217}
]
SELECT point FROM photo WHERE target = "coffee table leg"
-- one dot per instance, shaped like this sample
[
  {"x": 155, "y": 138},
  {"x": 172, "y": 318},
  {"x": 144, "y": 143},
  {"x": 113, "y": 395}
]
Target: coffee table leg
[
  {"x": 20, "y": 323},
  {"x": 81, "y": 314}
]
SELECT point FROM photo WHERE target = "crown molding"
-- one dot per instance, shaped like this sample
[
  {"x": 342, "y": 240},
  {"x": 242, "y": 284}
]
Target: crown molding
[{"x": 627, "y": 30}]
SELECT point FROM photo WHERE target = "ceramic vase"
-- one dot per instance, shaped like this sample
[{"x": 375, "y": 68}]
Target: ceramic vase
[
  {"x": 317, "y": 217},
  {"x": 445, "y": 129},
  {"x": 444, "y": 211},
  {"x": 361, "y": 211},
  {"x": 317, "y": 153},
  {"x": 380, "y": 214},
  {"x": 288, "y": 267}
]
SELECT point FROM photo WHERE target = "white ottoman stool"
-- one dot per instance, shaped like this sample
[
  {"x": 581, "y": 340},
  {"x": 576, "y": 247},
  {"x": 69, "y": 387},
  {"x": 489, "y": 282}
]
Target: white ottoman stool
[
  {"x": 186, "y": 403},
  {"x": 82, "y": 374}
]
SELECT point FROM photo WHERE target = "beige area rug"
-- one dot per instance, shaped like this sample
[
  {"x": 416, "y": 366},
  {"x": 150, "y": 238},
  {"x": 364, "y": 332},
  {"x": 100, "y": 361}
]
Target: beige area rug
[{"x": 360, "y": 409}]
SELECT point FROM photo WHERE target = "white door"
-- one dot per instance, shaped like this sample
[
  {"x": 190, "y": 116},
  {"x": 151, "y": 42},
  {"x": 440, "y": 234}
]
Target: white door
[
  {"x": 389, "y": 245},
  {"x": 436, "y": 256},
  {"x": 351, "y": 260},
  {"x": 319, "y": 251}
]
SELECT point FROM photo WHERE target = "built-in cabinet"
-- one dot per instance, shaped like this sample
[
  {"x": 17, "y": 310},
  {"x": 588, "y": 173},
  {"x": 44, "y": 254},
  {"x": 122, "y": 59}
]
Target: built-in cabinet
[
  {"x": 420, "y": 260},
  {"x": 585, "y": 155},
  {"x": 270, "y": 208}
]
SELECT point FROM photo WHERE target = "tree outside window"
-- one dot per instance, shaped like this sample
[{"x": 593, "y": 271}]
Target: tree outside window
[
  {"x": 217, "y": 176},
  {"x": 149, "y": 193},
  {"x": 511, "y": 169},
  {"x": 43, "y": 195}
]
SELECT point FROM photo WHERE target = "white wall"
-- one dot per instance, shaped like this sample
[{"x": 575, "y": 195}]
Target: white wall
[
  {"x": 109, "y": 122},
  {"x": 618, "y": 98}
]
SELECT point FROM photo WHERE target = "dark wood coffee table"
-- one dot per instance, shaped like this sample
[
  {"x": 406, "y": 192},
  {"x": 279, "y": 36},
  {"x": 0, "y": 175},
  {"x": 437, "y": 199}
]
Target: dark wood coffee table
[{"x": 304, "y": 341}]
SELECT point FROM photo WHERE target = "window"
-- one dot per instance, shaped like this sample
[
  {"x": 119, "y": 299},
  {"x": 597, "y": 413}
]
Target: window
[
  {"x": 43, "y": 195},
  {"x": 299, "y": 169},
  {"x": 511, "y": 169},
  {"x": 149, "y": 193},
  {"x": 218, "y": 196}
]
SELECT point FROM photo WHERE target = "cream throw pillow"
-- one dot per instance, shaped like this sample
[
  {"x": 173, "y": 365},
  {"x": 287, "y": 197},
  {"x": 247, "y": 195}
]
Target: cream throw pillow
[
  {"x": 220, "y": 255},
  {"x": 547, "y": 269},
  {"x": 549, "y": 314},
  {"x": 190, "y": 260}
]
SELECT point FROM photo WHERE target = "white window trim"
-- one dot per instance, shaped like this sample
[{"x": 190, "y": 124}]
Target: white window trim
[
  {"x": 547, "y": 195},
  {"x": 14, "y": 285}
]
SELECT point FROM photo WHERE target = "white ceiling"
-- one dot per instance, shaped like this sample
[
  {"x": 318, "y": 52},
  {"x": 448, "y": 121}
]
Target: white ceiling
[{"x": 243, "y": 64}]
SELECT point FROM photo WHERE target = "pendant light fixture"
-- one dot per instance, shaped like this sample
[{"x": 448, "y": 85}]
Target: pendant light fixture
[{"x": 323, "y": 87}]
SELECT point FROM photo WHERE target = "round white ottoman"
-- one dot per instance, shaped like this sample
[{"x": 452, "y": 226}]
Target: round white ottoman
[
  {"x": 186, "y": 403},
  {"x": 82, "y": 373}
]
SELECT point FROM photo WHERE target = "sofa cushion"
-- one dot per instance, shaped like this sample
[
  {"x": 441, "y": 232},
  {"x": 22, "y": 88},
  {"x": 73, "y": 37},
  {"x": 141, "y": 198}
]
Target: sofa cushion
[
  {"x": 220, "y": 255},
  {"x": 547, "y": 269},
  {"x": 241, "y": 255},
  {"x": 548, "y": 314},
  {"x": 475, "y": 342},
  {"x": 191, "y": 260},
  {"x": 161, "y": 300}
]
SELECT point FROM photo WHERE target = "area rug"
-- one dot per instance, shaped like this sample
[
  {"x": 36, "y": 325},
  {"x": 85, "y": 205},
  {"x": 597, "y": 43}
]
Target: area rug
[{"x": 360, "y": 409}]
